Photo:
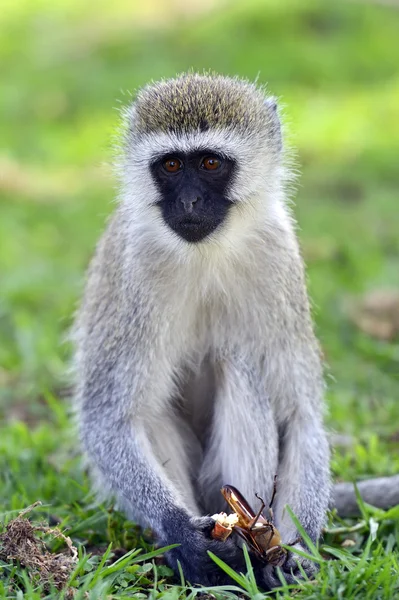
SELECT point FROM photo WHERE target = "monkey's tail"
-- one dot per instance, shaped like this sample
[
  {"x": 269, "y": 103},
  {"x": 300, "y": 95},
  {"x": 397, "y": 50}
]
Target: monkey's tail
[{"x": 382, "y": 492}]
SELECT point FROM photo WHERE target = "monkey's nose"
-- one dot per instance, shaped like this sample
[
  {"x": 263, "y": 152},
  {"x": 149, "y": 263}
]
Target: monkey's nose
[{"x": 188, "y": 203}]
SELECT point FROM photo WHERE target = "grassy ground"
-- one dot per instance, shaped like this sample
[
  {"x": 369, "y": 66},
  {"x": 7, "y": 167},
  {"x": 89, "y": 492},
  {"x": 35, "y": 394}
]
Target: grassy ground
[{"x": 335, "y": 66}]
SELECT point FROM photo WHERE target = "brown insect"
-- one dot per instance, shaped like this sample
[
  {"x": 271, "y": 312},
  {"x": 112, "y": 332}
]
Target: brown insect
[{"x": 260, "y": 534}]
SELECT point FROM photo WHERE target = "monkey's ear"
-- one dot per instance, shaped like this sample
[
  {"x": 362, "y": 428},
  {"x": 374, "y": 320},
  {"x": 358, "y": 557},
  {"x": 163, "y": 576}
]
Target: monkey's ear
[
  {"x": 129, "y": 120},
  {"x": 271, "y": 104},
  {"x": 274, "y": 121},
  {"x": 130, "y": 112}
]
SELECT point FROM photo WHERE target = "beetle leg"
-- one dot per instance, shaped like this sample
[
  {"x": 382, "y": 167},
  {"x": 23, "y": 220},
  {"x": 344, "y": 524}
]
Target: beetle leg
[
  {"x": 253, "y": 521},
  {"x": 276, "y": 556},
  {"x": 274, "y": 491},
  {"x": 242, "y": 532},
  {"x": 270, "y": 534},
  {"x": 296, "y": 541},
  {"x": 272, "y": 498},
  {"x": 247, "y": 537}
]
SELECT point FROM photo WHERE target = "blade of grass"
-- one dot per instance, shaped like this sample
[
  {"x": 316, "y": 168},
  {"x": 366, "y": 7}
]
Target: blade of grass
[
  {"x": 182, "y": 578},
  {"x": 240, "y": 579},
  {"x": 361, "y": 504},
  {"x": 347, "y": 558},
  {"x": 303, "y": 553},
  {"x": 303, "y": 533},
  {"x": 154, "y": 553},
  {"x": 102, "y": 562}
]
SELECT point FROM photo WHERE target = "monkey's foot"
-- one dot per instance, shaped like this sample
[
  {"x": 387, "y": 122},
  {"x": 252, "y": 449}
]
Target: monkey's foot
[{"x": 291, "y": 570}]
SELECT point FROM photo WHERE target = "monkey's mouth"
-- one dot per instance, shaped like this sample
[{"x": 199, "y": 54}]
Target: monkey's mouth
[{"x": 192, "y": 228}]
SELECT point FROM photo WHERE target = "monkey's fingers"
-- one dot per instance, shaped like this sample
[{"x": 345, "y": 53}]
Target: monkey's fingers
[{"x": 294, "y": 567}]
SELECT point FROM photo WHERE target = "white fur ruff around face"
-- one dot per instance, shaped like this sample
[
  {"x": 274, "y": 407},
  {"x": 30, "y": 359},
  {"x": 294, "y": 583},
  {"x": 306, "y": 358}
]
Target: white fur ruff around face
[{"x": 258, "y": 188}]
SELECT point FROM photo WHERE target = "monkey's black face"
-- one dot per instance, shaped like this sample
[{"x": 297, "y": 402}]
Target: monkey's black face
[{"x": 193, "y": 191}]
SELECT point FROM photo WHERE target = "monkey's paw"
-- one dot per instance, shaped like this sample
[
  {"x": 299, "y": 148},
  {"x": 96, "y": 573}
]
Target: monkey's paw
[
  {"x": 268, "y": 577},
  {"x": 194, "y": 537}
]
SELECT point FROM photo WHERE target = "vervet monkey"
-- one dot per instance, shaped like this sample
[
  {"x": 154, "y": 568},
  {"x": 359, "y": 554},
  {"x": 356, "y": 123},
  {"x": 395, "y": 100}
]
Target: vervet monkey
[{"x": 196, "y": 360}]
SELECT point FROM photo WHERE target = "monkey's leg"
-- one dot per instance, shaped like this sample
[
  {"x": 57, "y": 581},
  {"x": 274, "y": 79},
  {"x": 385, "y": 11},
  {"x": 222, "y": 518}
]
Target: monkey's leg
[{"x": 244, "y": 444}]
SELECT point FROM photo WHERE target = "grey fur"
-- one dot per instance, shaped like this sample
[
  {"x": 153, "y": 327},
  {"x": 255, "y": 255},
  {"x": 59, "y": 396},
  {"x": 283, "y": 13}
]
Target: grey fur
[
  {"x": 200, "y": 102},
  {"x": 197, "y": 364},
  {"x": 382, "y": 492}
]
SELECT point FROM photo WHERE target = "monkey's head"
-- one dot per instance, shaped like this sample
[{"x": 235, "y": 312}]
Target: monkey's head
[{"x": 198, "y": 150}]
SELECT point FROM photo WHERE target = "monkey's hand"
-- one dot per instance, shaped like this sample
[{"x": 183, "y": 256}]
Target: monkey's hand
[
  {"x": 194, "y": 536},
  {"x": 268, "y": 578}
]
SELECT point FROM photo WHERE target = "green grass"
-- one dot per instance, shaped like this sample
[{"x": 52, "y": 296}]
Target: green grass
[{"x": 65, "y": 67}]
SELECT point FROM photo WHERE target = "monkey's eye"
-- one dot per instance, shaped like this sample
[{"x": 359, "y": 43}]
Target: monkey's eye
[
  {"x": 211, "y": 163},
  {"x": 172, "y": 165}
]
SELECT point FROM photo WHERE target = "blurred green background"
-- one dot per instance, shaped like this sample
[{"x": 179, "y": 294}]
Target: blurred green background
[
  {"x": 68, "y": 66},
  {"x": 66, "y": 69}
]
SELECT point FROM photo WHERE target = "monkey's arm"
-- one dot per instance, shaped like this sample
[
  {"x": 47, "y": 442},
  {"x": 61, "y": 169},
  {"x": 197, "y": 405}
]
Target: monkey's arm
[
  {"x": 116, "y": 442},
  {"x": 303, "y": 474},
  {"x": 250, "y": 410},
  {"x": 123, "y": 393},
  {"x": 294, "y": 384}
]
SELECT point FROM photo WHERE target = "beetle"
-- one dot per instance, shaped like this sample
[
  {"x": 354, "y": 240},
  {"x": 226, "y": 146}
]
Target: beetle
[{"x": 260, "y": 534}]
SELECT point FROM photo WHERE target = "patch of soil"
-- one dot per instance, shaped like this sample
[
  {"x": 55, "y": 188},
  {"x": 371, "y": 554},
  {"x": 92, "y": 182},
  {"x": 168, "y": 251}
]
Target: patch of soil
[{"x": 377, "y": 314}]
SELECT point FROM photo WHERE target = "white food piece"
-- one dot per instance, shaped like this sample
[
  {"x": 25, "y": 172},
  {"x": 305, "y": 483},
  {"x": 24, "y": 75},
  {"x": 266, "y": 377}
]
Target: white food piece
[{"x": 226, "y": 520}]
